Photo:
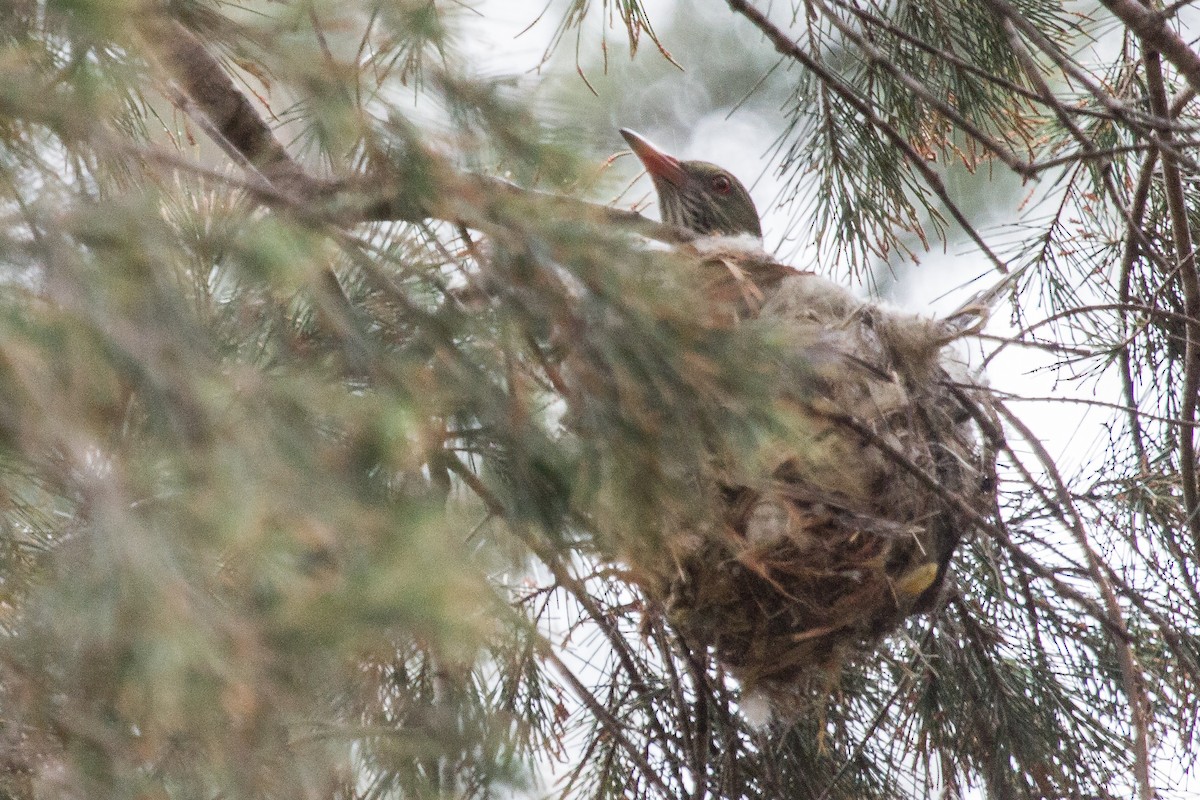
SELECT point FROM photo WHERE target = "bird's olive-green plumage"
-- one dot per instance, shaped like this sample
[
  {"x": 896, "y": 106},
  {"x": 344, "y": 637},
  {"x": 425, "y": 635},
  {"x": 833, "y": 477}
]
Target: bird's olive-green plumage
[{"x": 697, "y": 195}]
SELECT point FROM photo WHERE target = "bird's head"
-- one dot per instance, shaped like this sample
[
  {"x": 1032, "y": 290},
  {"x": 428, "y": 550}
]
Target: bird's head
[{"x": 697, "y": 195}]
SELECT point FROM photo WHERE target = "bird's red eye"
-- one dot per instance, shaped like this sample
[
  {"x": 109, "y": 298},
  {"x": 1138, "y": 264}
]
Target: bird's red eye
[{"x": 721, "y": 185}]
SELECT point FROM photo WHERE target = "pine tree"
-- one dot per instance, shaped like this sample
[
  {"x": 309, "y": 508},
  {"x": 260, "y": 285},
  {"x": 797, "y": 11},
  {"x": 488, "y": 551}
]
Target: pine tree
[{"x": 340, "y": 416}]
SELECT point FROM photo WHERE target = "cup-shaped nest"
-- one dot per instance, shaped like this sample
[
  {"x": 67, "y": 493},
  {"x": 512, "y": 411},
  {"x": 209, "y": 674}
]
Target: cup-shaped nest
[{"x": 852, "y": 524}]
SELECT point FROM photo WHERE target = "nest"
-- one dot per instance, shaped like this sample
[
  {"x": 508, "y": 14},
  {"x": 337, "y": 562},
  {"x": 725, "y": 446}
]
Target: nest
[{"x": 850, "y": 524}]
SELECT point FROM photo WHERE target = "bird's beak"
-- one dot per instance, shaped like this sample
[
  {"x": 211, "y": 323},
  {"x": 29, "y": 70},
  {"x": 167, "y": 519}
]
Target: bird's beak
[{"x": 660, "y": 165}]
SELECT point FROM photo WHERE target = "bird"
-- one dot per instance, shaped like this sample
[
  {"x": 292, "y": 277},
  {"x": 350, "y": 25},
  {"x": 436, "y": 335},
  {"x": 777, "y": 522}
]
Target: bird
[
  {"x": 696, "y": 195},
  {"x": 829, "y": 538},
  {"x": 709, "y": 202}
]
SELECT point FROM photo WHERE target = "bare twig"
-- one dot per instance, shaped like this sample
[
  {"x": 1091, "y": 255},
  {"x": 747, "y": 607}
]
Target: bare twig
[{"x": 1131, "y": 673}]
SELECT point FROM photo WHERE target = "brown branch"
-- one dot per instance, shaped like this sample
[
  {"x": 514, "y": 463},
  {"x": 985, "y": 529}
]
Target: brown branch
[
  {"x": 1152, "y": 29},
  {"x": 1090, "y": 150},
  {"x": 611, "y": 724},
  {"x": 1006, "y": 11},
  {"x": 1137, "y": 210},
  {"x": 1098, "y": 154},
  {"x": 957, "y": 61},
  {"x": 1179, "y": 644},
  {"x": 693, "y": 747},
  {"x": 1128, "y": 256},
  {"x": 206, "y": 83},
  {"x": 903, "y": 686},
  {"x": 1181, "y": 237},
  {"x": 1151, "y": 312},
  {"x": 996, "y": 531},
  {"x": 1083, "y": 401},
  {"x": 702, "y": 690},
  {"x": 1136, "y": 119},
  {"x": 1136, "y": 236},
  {"x": 573, "y": 585}
]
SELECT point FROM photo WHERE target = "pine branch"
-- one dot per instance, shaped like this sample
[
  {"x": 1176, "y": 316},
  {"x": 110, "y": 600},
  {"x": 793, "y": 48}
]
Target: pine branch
[
  {"x": 789, "y": 48},
  {"x": 465, "y": 198},
  {"x": 233, "y": 118},
  {"x": 1152, "y": 29},
  {"x": 576, "y": 588},
  {"x": 1185, "y": 255},
  {"x": 1137, "y": 120},
  {"x": 1137, "y": 211},
  {"x": 1131, "y": 672},
  {"x": 611, "y": 725},
  {"x": 943, "y": 55},
  {"x": 883, "y": 62}
]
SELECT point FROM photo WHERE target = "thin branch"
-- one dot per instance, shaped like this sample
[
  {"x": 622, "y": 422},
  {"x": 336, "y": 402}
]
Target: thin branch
[
  {"x": 1134, "y": 681},
  {"x": 1181, "y": 236},
  {"x": 997, "y": 531},
  {"x": 1096, "y": 154},
  {"x": 787, "y": 47},
  {"x": 1137, "y": 210},
  {"x": 1128, "y": 256},
  {"x": 882, "y": 61},
  {"x": 882, "y": 713},
  {"x": 1035, "y": 77},
  {"x": 581, "y": 595},
  {"x": 236, "y": 122},
  {"x": 958, "y": 61},
  {"x": 1085, "y": 401},
  {"x": 1152, "y": 29},
  {"x": 1137, "y": 120},
  {"x": 610, "y": 723},
  {"x": 239, "y": 129}
]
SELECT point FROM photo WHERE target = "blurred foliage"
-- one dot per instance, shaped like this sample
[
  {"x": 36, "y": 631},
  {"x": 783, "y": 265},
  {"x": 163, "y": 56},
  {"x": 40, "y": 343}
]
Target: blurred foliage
[{"x": 291, "y": 508}]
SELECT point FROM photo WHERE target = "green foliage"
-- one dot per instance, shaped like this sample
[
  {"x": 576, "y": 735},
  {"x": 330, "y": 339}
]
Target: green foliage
[{"x": 292, "y": 506}]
